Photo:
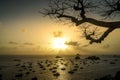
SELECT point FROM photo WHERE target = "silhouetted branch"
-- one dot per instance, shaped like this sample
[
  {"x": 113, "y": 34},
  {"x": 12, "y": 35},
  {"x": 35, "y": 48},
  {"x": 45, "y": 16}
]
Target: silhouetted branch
[
  {"x": 115, "y": 24},
  {"x": 91, "y": 35},
  {"x": 68, "y": 9}
]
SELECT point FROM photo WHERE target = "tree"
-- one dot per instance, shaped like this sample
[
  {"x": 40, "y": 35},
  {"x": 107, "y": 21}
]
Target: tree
[{"x": 79, "y": 11}]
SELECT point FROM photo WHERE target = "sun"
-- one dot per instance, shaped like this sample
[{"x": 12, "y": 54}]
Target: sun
[{"x": 59, "y": 43}]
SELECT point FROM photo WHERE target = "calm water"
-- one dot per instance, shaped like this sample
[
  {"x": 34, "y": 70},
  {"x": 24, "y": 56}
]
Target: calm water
[{"x": 51, "y": 68}]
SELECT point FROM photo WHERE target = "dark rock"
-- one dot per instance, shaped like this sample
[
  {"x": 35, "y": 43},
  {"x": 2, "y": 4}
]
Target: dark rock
[
  {"x": 34, "y": 78},
  {"x": 0, "y": 75},
  {"x": 75, "y": 69},
  {"x": 30, "y": 69},
  {"x": 76, "y": 66},
  {"x": 77, "y": 56},
  {"x": 81, "y": 67},
  {"x": 19, "y": 75},
  {"x": 17, "y": 65},
  {"x": 20, "y": 70},
  {"x": 71, "y": 72},
  {"x": 48, "y": 65},
  {"x": 93, "y": 58},
  {"x": 27, "y": 73},
  {"x": 63, "y": 69},
  {"x": 56, "y": 74},
  {"x": 58, "y": 57},
  {"x": 112, "y": 62},
  {"x": 115, "y": 59},
  {"x": 23, "y": 66},
  {"x": 117, "y": 76},
  {"x": 54, "y": 67},
  {"x": 44, "y": 68},
  {"x": 51, "y": 69},
  {"x": 33, "y": 71},
  {"x": 54, "y": 71}
]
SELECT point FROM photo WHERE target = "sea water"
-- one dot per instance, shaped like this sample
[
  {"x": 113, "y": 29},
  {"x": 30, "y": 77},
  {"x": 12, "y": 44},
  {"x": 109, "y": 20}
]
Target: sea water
[{"x": 51, "y": 68}]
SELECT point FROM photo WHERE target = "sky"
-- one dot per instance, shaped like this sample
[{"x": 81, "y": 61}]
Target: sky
[{"x": 24, "y": 31}]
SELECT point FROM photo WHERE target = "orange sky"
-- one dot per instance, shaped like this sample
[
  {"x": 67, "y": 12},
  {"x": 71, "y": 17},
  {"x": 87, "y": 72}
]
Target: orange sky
[
  {"x": 34, "y": 36},
  {"x": 28, "y": 32}
]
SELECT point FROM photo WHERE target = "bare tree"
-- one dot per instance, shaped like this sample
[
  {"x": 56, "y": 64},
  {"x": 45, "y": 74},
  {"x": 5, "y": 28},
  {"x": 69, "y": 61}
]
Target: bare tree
[{"x": 82, "y": 11}]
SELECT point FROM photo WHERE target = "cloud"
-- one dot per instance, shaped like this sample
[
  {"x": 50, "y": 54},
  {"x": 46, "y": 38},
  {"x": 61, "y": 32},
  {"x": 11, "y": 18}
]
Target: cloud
[
  {"x": 86, "y": 45},
  {"x": 57, "y": 34},
  {"x": 28, "y": 43},
  {"x": 72, "y": 43},
  {"x": 24, "y": 30},
  {"x": 12, "y": 42}
]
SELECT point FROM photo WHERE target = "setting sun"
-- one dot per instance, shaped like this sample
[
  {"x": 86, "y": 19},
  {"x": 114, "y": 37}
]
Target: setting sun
[{"x": 59, "y": 43}]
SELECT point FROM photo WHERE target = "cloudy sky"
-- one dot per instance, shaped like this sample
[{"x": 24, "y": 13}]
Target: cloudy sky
[{"x": 25, "y": 31}]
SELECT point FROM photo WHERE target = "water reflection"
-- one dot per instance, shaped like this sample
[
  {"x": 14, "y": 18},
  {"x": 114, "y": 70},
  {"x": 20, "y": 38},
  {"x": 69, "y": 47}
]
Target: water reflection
[{"x": 63, "y": 68}]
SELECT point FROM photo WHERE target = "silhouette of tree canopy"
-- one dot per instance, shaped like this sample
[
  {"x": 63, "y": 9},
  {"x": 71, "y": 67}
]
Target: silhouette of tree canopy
[{"x": 82, "y": 12}]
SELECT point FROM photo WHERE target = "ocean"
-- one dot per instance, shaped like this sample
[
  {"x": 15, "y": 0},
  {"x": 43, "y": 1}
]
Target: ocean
[{"x": 29, "y": 67}]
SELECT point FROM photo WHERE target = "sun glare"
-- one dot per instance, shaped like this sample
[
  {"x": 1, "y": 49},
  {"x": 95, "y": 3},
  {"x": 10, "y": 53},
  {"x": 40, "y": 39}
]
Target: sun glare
[{"x": 59, "y": 43}]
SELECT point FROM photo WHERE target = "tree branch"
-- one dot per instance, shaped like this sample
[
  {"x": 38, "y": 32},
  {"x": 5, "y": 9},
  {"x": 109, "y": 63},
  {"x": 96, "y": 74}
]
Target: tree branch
[
  {"x": 59, "y": 15},
  {"x": 115, "y": 24},
  {"x": 64, "y": 10},
  {"x": 100, "y": 39}
]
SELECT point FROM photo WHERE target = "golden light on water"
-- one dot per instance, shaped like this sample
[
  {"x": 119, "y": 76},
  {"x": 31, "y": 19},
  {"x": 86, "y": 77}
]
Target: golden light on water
[{"x": 59, "y": 43}]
